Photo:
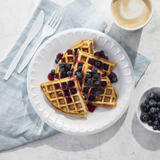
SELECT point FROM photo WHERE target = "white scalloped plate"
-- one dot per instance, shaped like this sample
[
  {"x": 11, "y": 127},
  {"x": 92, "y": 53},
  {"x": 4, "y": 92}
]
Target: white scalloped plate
[{"x": 43, "y": 62}]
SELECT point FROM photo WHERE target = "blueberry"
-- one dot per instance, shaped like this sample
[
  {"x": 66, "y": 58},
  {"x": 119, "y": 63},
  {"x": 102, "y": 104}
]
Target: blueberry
[
  {"x": 101, "y": 53},
  {"x": 79, "y": 75},
  {"x": 150, "y": 114},
  {"x": 155, "y": 115},
  {"x": 71, "y": 84},
  {"x": 91, "y": 98},
  {"x": 146, "y": 101},
  {"x": 114, "y": 79},
  {"x": 143, "y": 106},
  {"x": 80, "y": 68},
  {"x": 61, "y": 65},
  {"x": 150, "y": 123},
  {"x": 69, "y": 73},
  {"x": 62, "y": 69},
  {"x": 68, "y": 67},
  {"x": 155, "y": 127},
  {"x": 156, "y": 98},
  {"x": 85, "y": 96},
  {"x": 94, "y": 70},
  {"x": 85, "y": 90},
  {"x": 157, "y": 109},
  {"x": 158, "y": 104},
  {"x": 105, "y": 57},
  {"x": 88, "y": 82},
  {"x": 145, "y": 110},
  {"x": 56, "y": 61},
  {"x": 156, "y": 118},
  {"x": 63, "y": 74},
  {"x": 96, "y": 76},
  {"x": 95, "y": 83},
  {"x": 152, "y": 103},
  {"x": 156, "y": 123},
  {"x": 152, "y": 118},
  {"x": 101, "y": 91},
  {"x": 103, "y": 84},
  {"x": 159, "y": 116},
  {"x": 73, "y": 91},
  {"x": 148, "y": 107},
  {"x": 158, "y": 127},
  {"x": 153, "y": 110},
  {"x": 88, "y": 75},
  {"x": 98, "y": 64},
  {"x": 97, "y": 93},
  {"x": 151, "y": 96},
  {"x": 158, "y": 95},
  {"x": 53, "y": 71},
  {"x": 93, "y": 91},
  {"x": 144, "y": 117}
]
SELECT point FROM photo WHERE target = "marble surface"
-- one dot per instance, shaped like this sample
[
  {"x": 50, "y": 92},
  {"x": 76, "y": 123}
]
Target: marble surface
[{"x": 126, "y": 139}]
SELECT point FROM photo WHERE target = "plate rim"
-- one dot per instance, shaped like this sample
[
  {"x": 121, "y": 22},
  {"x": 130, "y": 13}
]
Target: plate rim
[{"x": 96, "y": 130}]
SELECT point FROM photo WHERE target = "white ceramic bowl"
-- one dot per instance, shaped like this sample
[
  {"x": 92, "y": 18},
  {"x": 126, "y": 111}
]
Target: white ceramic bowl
[
  {"x": 134, "y": 29},
  {"x": 142, "y": 99}
]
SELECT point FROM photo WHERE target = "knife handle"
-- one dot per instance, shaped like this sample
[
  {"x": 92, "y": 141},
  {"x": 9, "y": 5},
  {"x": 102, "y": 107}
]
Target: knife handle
[
  {"x": 16, "y": 59},
  {"x": 30, "y": 55}
]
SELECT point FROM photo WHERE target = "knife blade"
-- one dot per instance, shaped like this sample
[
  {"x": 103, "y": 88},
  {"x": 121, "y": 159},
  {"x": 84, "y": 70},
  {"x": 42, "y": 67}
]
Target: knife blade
[{"x": 32, "y": 33}]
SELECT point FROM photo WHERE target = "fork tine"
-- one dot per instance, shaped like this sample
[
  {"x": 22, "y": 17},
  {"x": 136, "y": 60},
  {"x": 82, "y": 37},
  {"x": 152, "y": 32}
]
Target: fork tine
[
  {"x": 56, "y": 20},
  {"x": 58, "y": 23},
  {"x": 51, "y": 17}
]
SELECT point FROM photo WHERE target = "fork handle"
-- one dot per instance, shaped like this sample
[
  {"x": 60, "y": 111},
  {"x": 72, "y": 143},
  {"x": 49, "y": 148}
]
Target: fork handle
[{"x": 30, "y": 55}]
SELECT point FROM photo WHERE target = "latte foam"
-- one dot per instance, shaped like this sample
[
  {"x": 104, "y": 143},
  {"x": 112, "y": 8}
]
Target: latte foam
[{"x": 131, "y": 13}]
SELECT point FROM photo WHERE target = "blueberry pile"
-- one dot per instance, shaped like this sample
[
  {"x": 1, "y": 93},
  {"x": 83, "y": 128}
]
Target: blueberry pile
[
  {"x": 64, "y": 67},
  {"x": 151, "y": 111}
]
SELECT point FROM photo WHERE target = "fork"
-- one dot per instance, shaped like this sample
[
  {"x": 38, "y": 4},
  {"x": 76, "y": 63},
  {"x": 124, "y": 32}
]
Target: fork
[{"x": 49, "y": 29}]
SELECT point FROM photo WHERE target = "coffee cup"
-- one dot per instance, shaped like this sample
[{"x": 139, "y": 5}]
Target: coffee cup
[{"x": 131, "y": 15}]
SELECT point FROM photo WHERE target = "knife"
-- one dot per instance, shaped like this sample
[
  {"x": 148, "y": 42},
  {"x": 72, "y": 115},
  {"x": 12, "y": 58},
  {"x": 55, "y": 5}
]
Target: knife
[{"x": 32, "y": 33}]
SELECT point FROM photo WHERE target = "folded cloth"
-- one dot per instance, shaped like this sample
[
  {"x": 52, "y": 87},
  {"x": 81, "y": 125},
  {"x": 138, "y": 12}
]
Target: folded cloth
[
  {"x": 19, "y": 122},
  {"x": 139, "y": 62}
]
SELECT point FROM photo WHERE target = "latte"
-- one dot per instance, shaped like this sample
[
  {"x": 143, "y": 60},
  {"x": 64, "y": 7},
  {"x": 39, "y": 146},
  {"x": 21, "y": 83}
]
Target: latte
[{"x": 131, "y": 14}]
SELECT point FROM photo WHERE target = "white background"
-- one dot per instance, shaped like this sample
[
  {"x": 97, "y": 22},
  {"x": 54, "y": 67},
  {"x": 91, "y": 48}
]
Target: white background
[{"x": 126, "y": 139}]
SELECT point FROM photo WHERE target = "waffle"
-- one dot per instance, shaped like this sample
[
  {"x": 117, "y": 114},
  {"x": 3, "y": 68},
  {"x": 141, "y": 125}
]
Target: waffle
[
  {"x": 86, "y": 46},
  {"x": 84, "y": 57},
  {"x": 68, "y": 57},
  {"x": 65, "y": 95},
  {"x": 108, "y": 95}
]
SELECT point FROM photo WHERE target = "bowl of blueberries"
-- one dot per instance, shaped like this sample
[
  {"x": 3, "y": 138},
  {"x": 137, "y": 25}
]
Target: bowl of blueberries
[{"x": 148, "y": 111}]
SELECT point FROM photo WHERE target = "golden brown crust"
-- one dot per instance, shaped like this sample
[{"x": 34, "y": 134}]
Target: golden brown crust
[{"x": 57, "y": 98}]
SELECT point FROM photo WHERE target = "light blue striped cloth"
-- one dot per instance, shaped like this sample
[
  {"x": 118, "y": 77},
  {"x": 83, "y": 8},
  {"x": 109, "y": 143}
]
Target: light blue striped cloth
[{"x": 18, "y": 120}]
